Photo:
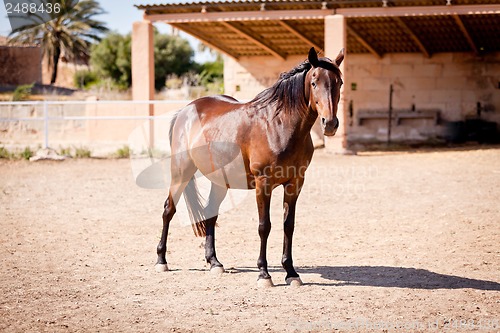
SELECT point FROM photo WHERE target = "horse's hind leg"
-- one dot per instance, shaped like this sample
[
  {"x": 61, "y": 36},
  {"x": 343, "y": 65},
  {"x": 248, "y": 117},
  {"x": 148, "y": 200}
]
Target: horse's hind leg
[
  {"x": 217, "y": 195},
  {"x": 161, "y": 249},
  {"x": 180, "y": 178}
]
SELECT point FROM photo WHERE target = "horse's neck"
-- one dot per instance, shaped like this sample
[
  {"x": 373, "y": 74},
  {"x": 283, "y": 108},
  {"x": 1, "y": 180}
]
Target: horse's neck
[
  {"x": 287, "y": 130},
  {"x": 309, "y": 120}
]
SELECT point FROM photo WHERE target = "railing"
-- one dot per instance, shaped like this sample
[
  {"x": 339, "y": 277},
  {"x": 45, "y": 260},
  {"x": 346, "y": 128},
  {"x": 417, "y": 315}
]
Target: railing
[{"x": 148, "y": 110}]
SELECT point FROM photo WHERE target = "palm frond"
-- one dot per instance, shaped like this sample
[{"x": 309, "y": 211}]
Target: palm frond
[{"x": 71, "y": 32}]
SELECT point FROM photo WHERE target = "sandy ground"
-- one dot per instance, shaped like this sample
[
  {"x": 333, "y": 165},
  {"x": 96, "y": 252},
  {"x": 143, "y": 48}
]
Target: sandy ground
[{"x": 383, "y": 242}]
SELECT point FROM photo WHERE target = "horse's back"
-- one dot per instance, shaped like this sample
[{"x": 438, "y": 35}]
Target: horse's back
[
  {"x": 216, "y": 115},
  {"x": 206, "y": 119},
  {"x": 209, "y": 131},
  {"x": 211, "y": 103}
]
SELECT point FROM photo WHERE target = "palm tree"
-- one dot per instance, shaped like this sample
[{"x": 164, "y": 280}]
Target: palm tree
[{"x": 70, "y": 33}]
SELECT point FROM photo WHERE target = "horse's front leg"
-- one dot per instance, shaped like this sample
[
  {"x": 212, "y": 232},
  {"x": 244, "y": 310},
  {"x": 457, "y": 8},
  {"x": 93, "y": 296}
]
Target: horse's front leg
[
  {"x": 292, "y": 191},
  {"x": 263, "y": 196}
]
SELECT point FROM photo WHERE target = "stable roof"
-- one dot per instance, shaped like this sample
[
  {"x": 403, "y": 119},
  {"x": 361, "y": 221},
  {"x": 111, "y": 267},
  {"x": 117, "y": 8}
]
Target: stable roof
[{"x": 290, "y": 27}]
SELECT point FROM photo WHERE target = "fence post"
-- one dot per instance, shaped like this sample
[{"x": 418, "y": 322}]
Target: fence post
[
  {"x": 151, "y": 107},
  {"x": 45, "y": 125}
]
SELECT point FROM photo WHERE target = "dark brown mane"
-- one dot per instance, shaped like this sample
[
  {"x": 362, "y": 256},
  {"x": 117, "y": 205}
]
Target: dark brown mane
[{"x": 287, "y": 94}]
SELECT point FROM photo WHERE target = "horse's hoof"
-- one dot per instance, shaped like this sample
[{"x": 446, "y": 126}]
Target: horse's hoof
[
  {"x": 217, "y": 270},
  {"x": 294, "y": 281},
  {"x": 265, "y": 283},
  {"x": 161, "y": 268}
]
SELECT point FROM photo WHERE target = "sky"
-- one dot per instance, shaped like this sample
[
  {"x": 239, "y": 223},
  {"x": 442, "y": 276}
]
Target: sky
[{"x": 119, "y": 17}]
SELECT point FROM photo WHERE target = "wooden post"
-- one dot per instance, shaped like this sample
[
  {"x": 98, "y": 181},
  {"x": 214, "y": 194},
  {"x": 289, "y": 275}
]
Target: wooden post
[{"x": 335, "y": 40}]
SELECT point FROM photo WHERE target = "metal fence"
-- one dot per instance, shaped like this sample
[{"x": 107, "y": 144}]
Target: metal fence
[{"x": 46, "y": 117}]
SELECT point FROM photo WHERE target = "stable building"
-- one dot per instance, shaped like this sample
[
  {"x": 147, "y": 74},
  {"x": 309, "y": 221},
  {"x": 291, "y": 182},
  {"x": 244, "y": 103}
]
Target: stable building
[{"x": 413, "y": 68}]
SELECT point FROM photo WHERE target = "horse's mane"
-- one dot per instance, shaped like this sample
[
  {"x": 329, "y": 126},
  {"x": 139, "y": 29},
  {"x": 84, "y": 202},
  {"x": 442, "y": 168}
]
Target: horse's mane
[{"x": 287, "y": 94}]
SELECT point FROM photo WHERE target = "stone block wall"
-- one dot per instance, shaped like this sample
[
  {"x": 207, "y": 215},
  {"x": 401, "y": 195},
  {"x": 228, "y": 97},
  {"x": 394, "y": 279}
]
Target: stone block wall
[
  {"x": 453, "y": 83},
  {"x": 20, "y": 65}
]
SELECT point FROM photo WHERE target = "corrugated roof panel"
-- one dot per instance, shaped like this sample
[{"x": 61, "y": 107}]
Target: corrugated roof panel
[
  {"x": 194, "y": 6},
  {"x": 484, "y": 30},
  {"x": 382, "y": 34},
  {"x": 439, "y": 34}
]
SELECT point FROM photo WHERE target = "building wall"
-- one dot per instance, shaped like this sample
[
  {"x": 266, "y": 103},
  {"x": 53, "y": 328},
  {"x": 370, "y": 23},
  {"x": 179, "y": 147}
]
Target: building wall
[
  {"x": 245, "y": 78},
  {"x": 452, "y": 83},
  {"x": 20, "y": 65},
  {"x": 24, "y": 65},
  {"x": 65, "y": 73}
]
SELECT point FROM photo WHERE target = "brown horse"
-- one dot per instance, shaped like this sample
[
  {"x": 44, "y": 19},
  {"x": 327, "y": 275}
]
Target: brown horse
[{"x": 256, "y": 145}]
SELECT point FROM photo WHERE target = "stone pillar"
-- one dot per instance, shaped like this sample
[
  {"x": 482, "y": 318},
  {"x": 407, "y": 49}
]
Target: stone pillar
[
  {"x": 143, "y": 70},
  {"x": 335, "y": 40}
]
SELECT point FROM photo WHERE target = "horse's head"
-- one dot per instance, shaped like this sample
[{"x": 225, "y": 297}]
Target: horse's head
[{"x": 323, "y": 82}]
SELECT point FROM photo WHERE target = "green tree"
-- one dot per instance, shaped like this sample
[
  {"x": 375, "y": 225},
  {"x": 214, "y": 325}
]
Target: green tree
[
  {"x": 70, "y": 33},
  {"x": 212, "y": 71},
  {"x": 173, "y": 55},
  {"x": 111, "y": 58}
]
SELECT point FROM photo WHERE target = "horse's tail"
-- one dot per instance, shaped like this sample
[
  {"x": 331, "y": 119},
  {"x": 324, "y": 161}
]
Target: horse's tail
[
  {"x": 171, "y": 129},
  {"x": 192, "y": 196},
  {"x": 195, "y": 208}
]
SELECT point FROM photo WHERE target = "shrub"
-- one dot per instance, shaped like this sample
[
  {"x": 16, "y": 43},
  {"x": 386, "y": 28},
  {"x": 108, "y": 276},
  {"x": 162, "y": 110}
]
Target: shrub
[
  {"x": 64, "y": 151},
  {"x": 26, "y": 153},
  {"x": 82, "y": 152},
  {"x": 4, "y": 153},
  {"x": 22, "y": 93},
  {"x": 123, "y": 152},
  {"x": 85, "y": 79}
]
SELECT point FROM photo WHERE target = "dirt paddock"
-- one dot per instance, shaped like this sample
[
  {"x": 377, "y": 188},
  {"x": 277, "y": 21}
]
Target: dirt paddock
[{"x": 383, "y": 242}]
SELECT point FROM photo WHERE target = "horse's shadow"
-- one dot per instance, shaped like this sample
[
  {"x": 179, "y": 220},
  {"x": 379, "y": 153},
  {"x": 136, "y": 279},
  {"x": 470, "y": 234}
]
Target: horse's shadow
[
  {"x": 388, "y": 277},
  {"x": 396, "y": 277}
]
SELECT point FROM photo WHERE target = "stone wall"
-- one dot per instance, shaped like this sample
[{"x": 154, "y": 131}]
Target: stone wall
[
  {"x": 20, "y": 65},
  {"x": 453, "y": 83},
  {"x": 65, "y": 73},
  {"x": 24, "y": 65}
]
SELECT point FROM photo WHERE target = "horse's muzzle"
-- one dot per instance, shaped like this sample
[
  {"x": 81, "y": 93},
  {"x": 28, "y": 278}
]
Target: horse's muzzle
[{"x": 329, "y": 126}]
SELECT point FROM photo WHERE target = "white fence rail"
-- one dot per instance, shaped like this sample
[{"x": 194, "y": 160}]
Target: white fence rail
[{"x": 51, "y": 116}]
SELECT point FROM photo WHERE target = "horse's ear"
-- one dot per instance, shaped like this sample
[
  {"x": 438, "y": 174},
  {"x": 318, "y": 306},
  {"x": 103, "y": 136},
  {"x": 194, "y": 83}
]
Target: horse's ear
[
  {"x": 340, "y": 57},
  {"x": 313, "y": 57}
]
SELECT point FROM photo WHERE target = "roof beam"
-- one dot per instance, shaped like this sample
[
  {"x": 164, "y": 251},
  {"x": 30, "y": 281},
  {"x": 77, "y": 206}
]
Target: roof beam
[
  {"x": 210, "y": 42},
  {"x": 283, "y": 15},
  {"x": 300, "y": 36},
  {"x": 466, "y": 34},
  {"x": 419, "y": 10},
  {"x": 228, "y": 16},
  {"x": 254, "y": 38},
  {"x": 415, "y": 38},
  {"x": 363, "y": 42}
]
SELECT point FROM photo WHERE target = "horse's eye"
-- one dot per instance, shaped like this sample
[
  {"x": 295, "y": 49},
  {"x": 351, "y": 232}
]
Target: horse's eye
[{"x": 313, "y": 84}]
